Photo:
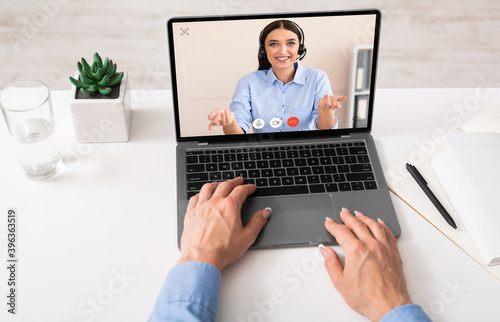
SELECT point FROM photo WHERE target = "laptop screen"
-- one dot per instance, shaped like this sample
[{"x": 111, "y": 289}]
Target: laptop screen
[{"x": 273, "y": 75}]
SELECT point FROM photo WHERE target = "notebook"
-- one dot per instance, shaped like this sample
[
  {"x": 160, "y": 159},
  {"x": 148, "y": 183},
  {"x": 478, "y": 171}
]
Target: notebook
[
  {"x": 302, "y": 172},
  {"x": 469, "y": 175}
]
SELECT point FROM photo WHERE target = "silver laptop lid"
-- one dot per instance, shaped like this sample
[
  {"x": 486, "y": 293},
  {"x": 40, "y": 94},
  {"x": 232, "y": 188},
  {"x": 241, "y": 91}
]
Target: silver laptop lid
[{"x": 215, "y": 59}]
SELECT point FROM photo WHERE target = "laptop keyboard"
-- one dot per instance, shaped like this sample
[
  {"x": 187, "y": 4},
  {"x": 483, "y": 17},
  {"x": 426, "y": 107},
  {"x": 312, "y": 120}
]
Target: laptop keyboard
[{"x": 284, "y": 170}]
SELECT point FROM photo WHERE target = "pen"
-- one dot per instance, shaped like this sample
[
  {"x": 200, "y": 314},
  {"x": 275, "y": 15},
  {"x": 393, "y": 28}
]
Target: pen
[{"x": 423, "y": 184}]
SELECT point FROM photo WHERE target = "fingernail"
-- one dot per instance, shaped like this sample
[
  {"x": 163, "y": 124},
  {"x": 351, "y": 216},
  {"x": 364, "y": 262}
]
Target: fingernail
[
  {"x": 322, "y": 250},
  {"x": 267, "y": 212},
  {"x": 328, "y": 219},
  {"x": 356, "y": 213},
  {"x": 345, "y": 209},
  {"x": 381, "y": 221}
]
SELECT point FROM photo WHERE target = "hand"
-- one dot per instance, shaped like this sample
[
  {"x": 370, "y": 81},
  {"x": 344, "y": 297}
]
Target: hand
[
  {"x": 331, "y": 102},
  {"x": 213, "y": 231},
  {"x": 372, "y": 281},
  {"x": 220, "y": 118}
]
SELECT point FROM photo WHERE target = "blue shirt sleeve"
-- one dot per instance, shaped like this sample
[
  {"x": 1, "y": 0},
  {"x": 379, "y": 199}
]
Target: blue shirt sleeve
[
  {"x": 406, "y": 313},
  {"x": 190, "y": 293}
]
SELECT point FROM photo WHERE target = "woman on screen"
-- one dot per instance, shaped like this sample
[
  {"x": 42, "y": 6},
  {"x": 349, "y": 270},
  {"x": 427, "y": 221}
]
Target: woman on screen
[{"x": 281, "y": 95}]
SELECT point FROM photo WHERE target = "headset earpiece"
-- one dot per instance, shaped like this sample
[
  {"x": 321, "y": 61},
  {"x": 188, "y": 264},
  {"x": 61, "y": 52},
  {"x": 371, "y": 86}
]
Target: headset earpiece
[{"x": 262, "y": 52}]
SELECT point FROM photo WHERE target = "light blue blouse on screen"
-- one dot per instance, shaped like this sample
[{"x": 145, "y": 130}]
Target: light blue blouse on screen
[{"x": 260, "y": 95}]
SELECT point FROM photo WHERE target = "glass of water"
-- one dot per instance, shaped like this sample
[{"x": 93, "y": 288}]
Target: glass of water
[{"x": 27, "y": 110}]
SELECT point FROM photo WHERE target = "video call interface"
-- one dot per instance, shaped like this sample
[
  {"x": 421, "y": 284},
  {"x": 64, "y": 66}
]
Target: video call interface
[{"x": 211, "y": 57}]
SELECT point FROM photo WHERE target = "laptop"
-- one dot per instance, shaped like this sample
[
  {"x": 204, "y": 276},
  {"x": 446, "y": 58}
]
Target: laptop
[{"x": 302, "y": 172}]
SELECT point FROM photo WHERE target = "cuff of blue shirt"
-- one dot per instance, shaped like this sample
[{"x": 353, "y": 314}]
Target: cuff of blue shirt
[
  {"x": 191, "y": 284},
  {"x": 336, "y": 126},
  {"x": 407, "y": 313}
]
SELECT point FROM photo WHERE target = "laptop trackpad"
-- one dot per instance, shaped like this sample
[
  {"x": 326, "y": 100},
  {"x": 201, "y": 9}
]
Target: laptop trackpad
[{"x": 295, "y": 220}]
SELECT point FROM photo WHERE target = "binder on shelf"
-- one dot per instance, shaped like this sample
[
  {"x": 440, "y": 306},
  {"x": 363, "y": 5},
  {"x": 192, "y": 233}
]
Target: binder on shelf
[
  {"x": 363, "y": 70},
  {"x": 360, "y": 118}
]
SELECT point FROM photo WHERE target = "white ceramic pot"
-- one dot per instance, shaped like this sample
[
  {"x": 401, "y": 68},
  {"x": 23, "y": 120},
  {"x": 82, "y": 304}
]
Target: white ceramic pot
[{"x": 102, "y": 120}]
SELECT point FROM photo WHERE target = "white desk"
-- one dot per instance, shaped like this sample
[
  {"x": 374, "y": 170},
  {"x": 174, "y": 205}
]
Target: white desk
[{"x": 96, "y": 243}]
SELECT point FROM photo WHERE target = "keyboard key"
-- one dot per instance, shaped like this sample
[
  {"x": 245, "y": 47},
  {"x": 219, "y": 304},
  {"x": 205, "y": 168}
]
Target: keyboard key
[
  {"x": 192, "y": 159},
  {"x": 351, "y": 159},
  {"x": 357, "y": 186},
  {"x": 370, "y": 185},
  {"x": 363, "y": 159},
  {"x": 292, "y": 171},
  {"x": 249, "y": 181},
  {"x": 226, "y": 175},
  {"x": 242, "y": 157},
  {"x": 339, "y": 177},
  {"x": 280, "y": 155},
  {"x": 284, "y": 190},
  {"x": 204, "y": 158},
  {"x": 195, "y": 186},
  {"x": 312, "y": 161},
  {"x": 195, "y": 168},
  {"x": 330, "y": 169},
  {"x": 300, "y": 162},
  {"x": 279, "y": 172},
  {"x": 261, "y": 182},
  {"x": 287, "y": 181},
  {"x": 267, "y": 155},
  {"x": 262, "y": 164},
  {"x": 292, "y": 154},
  {"x": 358, "y": 150},
  {"x": 361, "y": 176},
  {"x": 326, "y": 178},
  {"x": 338, "y": 160},
  {"x": 212, "y": 167},
  {"x": 230, "y": 157},
  {"x": 325, "y": 161},
  {"x": 275, "y": 163},
  {"x": 191, "y": 194},
  {"x": 330, "y": 152},
  {"x": 250, "y": 165},
  {"x": 343, "y": 168},
  {"x": 287, "y": 163},
  {"x": 215, "y": 176},
  {"x": 254, "y": 173},
  {"x": 197, "y": 177},
  {"x": 342, "y": 151},
  {"x": 305, "y": 170},
  {"x": 194, "y": 152},
  {"x": 316, "y": 188},
  {"x": 267, "y": 172},
  {"x": 361, "y": 167},
  {"x": 318, "y": 170},
  {"x": 305, "y": 153},
  {"x": 255, "y": 156},
  {"x": 237, "y": 165},
  {"x": 224, "y": 166},
  {"x": 317, "y": 153},
  {"x": 217, "y": 158},
  {"x": 332, "y": 187},
  {"x": 344, "y": 186},
  {"x": 359, "y": 143},
  {"x": 274, "y": 181},
  {"x": 300, "y": 180},
  {"x": 241, "y": 173},
  {"x": 313, "y": 179}
]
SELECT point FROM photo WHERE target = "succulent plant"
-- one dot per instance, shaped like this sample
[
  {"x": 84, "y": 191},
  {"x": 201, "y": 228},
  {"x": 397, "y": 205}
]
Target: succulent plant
[{"x": 99, "y": 76}]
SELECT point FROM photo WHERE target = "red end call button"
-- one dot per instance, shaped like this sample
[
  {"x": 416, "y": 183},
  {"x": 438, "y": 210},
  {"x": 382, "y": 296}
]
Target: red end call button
[{"x": 293, "y": 121}]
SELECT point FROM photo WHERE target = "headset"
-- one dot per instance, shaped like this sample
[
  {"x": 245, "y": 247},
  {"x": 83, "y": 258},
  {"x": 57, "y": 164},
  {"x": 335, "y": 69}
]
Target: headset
[{"x": 302, "y": 48}]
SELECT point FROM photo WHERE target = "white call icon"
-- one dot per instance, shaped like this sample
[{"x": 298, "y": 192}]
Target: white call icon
[{"x": 258, "y": 124}]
